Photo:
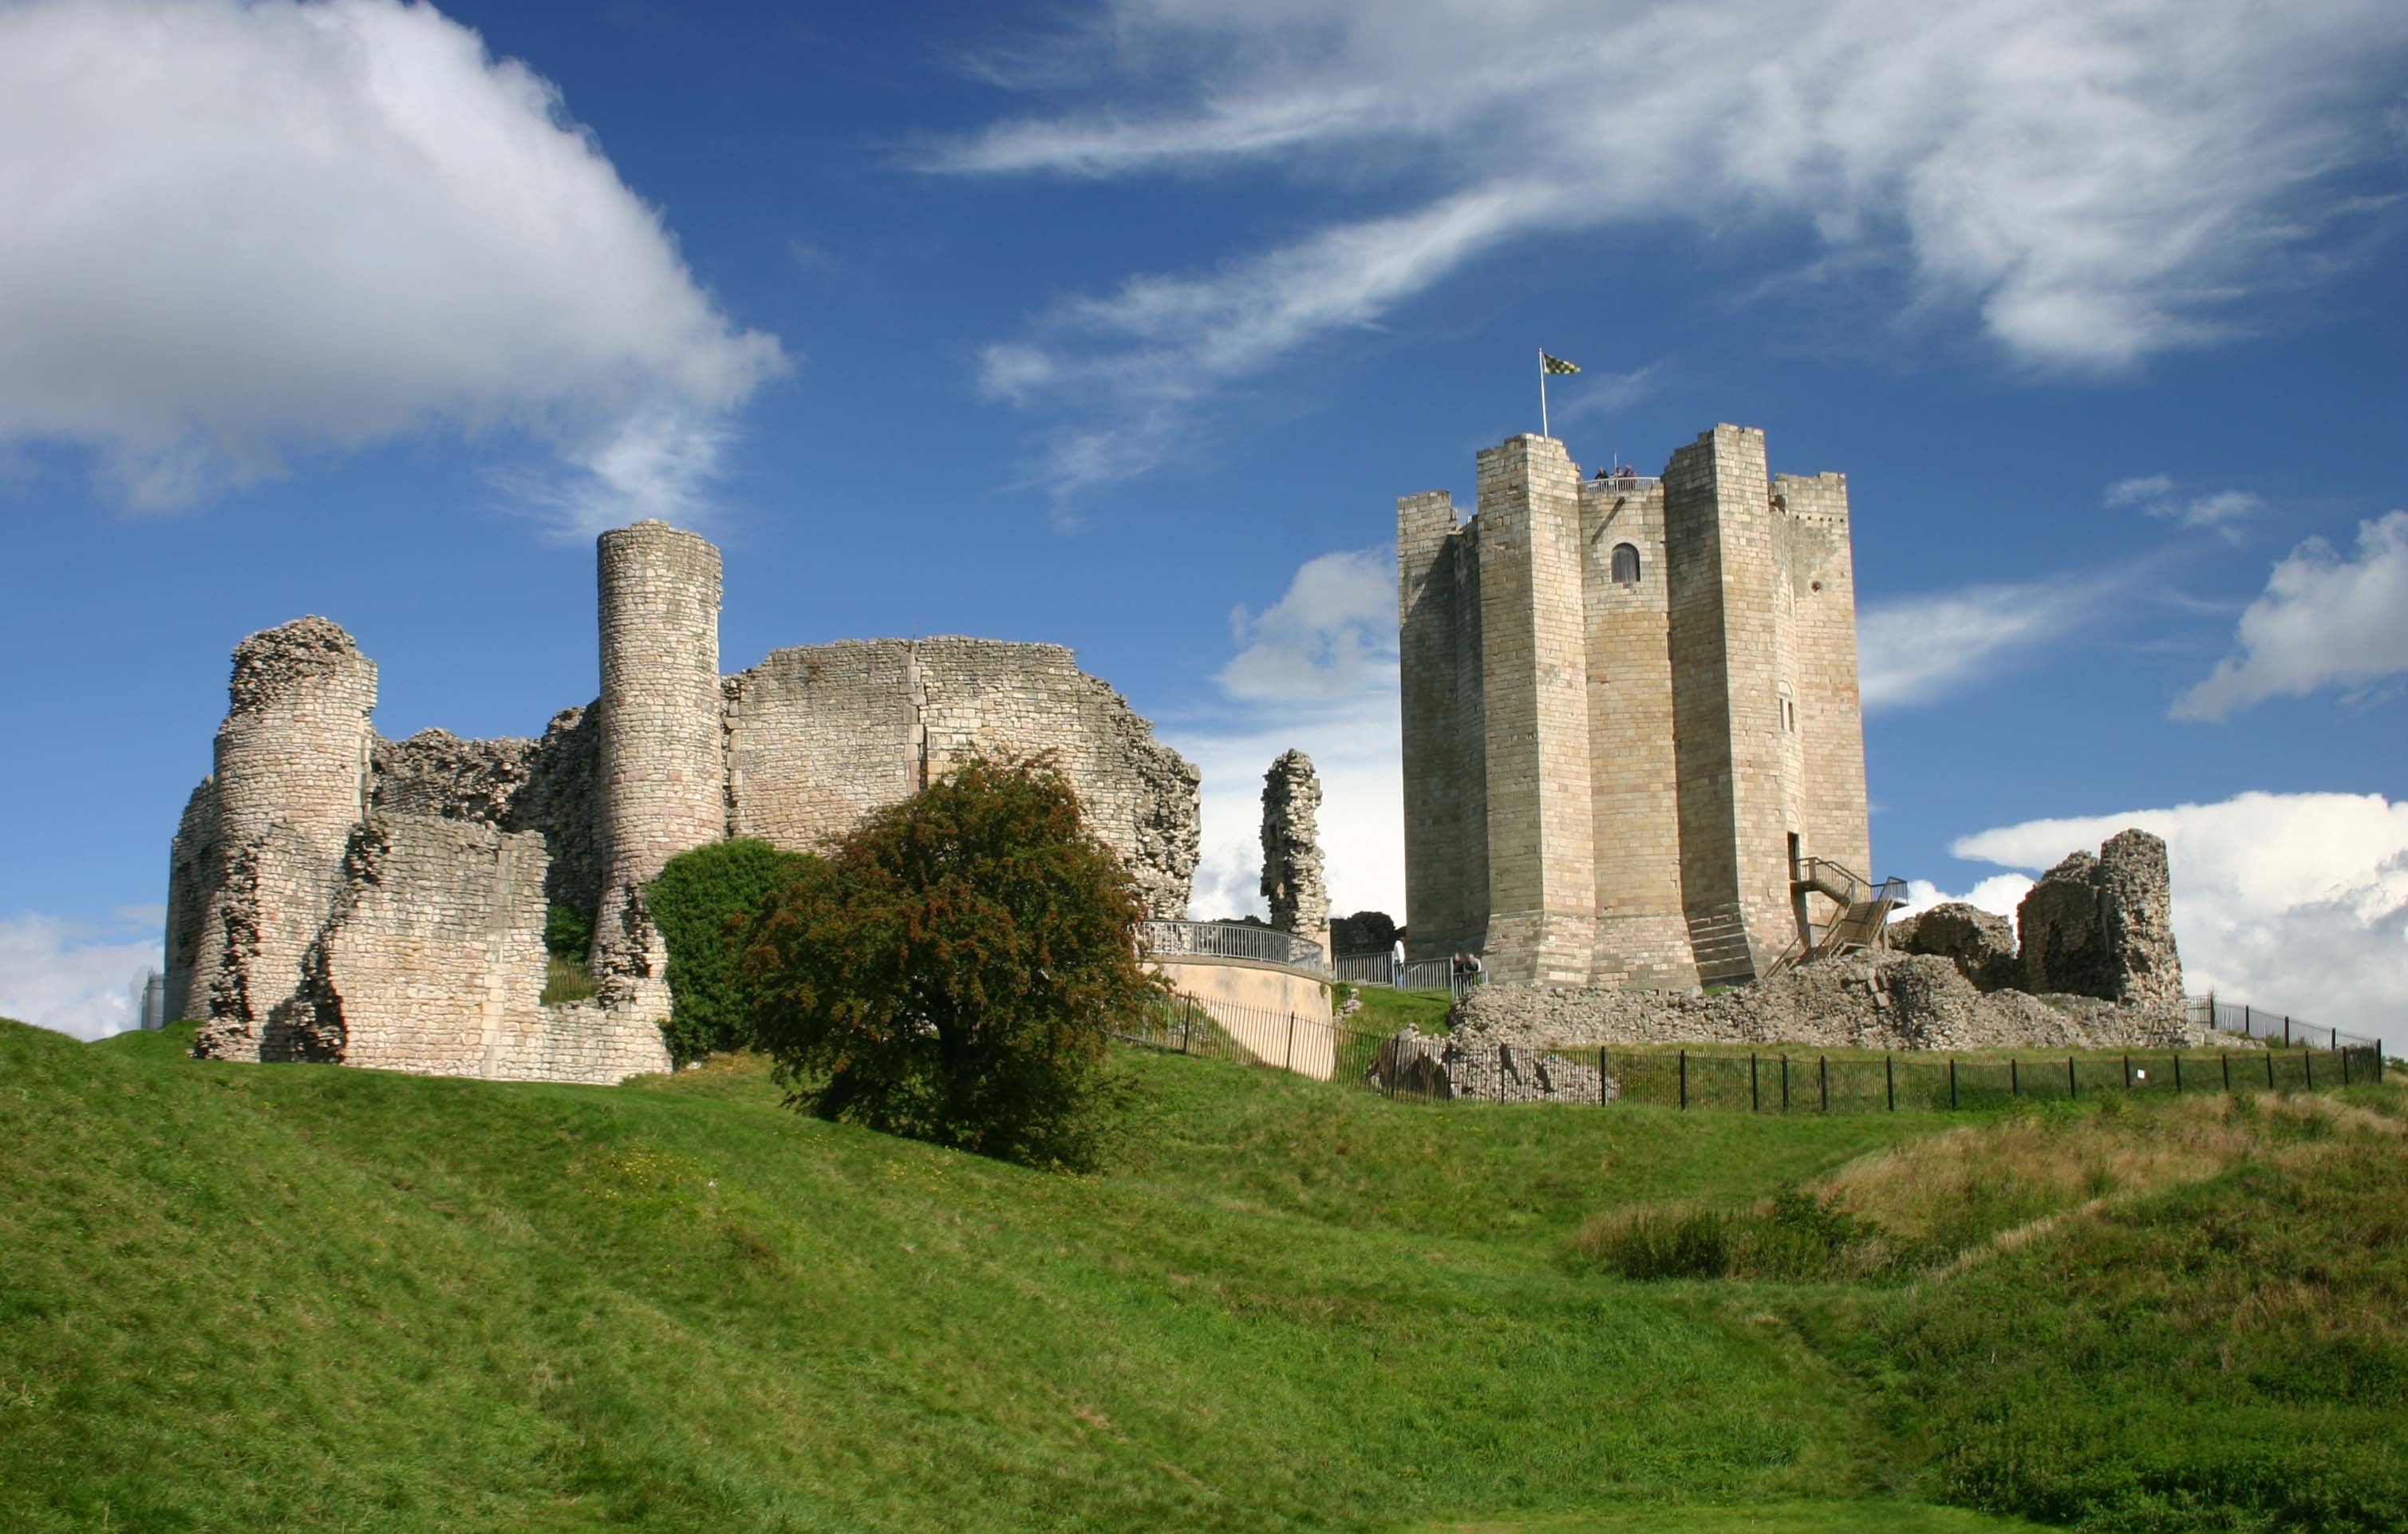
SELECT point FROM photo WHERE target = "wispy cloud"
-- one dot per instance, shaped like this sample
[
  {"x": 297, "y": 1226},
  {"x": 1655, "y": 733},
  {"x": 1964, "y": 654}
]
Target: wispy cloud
[
  {"x": 2097, "y": 182},
  {"x": 243, "y": 230},
  {"x": 2323, "y": 621}
]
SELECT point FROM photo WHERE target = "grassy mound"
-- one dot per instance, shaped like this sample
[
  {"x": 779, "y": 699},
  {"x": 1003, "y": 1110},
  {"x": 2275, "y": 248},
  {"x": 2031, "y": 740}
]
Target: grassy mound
[{"x": 273, "y": 1297}]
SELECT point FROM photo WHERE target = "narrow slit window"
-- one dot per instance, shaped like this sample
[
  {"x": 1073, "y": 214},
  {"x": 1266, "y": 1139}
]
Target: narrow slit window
[{"x": 1625, "y": 564}]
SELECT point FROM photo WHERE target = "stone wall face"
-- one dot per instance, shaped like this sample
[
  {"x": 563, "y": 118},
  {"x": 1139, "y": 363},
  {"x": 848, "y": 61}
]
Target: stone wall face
[
  {"x": 1656, "y": 754},
  {"x": 1444, "y": 727},
  {"x": 1542, "y": 854},
  {"x": 1634, "y": 782},
  {"x": 1292, "y": 882},
  {"x": 819, "y": 737},
  {"x": 2103, "y": 926},
  {"x": 291, "y": 781},
  {"x": 661, "y": 750},
  {"x": 434, "y": 963}
]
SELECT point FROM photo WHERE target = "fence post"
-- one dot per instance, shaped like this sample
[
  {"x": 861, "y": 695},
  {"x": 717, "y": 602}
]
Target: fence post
[
  {"x": 1754, "y": 1101},
  {"x": 1685, "y": 1080},
  {"x": 1822, "y": 1069},
  {"x": 2072, "y": 1085},
  {"x": 1889, "y": 1080},
  {"x": 1952, "y": 1083}
]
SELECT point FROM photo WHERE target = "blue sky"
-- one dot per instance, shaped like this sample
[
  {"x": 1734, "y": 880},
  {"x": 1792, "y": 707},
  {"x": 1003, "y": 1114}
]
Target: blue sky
[{"x": 1122, "y": 326}]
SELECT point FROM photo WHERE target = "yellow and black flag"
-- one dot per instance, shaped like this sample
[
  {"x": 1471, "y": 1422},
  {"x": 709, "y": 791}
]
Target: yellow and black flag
[{"x": 1557, "y": 365}]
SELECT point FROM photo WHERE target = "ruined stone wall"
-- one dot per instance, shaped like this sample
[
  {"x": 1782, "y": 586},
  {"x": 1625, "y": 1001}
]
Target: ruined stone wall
[
  {"x": 820, "y": 736},
  {"x": 1444, "y": 729},
  {"x": 433, "y": 962},
  {"x": 1541, "y": 853},
  {"x": 1830, "y": 715},
  {"x": 2103, "y": 926},
  {"x": 1634, "y": 788},
  {"x": 544, "y": 786},
  {"x": 1292, "y": 873},
  {"x": 291, "y": 781},
  {"x": 660, "y": 761},
  {"x": 195, "y": 869}
]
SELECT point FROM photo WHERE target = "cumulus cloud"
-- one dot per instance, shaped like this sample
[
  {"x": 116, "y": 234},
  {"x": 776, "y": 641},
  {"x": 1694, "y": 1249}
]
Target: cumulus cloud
[
  {"x": 1315, "y": 671},
  {"x": 2093, "y": 181},
  {"x": 75, "y": 977},
  {"x": 239, "y": 231},
  {"x": 2296, "y": 902},
  {"x": 2323, "y": 621}
]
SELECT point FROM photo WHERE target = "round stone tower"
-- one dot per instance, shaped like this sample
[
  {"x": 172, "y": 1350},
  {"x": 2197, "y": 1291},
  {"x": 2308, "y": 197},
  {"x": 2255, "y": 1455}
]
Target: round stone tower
[
  {"x": 291, "y": 783},
  {"x": 662, "y": 775}
]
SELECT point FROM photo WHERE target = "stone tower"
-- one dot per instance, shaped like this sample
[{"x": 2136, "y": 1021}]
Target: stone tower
[
  {"x": 1291, "y": 864},
  {"x": 1630, "y": 712},
  {"x": 290, "y": 782},
  {"x": 662, "y": 766}
]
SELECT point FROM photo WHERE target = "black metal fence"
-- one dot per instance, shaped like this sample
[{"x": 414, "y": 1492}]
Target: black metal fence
[{"x": 1429, "y": 1067}]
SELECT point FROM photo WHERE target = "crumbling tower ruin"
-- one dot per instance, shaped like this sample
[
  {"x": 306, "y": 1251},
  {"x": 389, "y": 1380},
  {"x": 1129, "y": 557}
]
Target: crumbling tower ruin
[
  {"x": 1292, "y": 864},
  {"x": 661, "y": 741},
  {"x": 1630, "y": 714},
  {"x": 269, "y": 829}
]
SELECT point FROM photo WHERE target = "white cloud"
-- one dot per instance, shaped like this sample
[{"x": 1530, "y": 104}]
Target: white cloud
[
  {"x": 1919, "y": 650},
  {"x": 2296, "y": 902},
  {"x": 69, "y": 976},
  {"x": 237, "y": 231},
  {"x": 2323, "y": 621},
  {"x": 1315, "y": 671},
  {"x": 2155, "y": 494},
  {"x": 2097, "y": 180}
]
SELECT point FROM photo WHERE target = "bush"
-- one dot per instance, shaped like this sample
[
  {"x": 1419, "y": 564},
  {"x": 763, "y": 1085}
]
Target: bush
[
  {"x": 956, "y": 975},
  {"x": 703, "y": 900}
]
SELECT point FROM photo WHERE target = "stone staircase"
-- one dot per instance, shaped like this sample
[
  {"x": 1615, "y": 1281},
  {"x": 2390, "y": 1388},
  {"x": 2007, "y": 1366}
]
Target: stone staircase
[{"x": 1718, "y": 939}]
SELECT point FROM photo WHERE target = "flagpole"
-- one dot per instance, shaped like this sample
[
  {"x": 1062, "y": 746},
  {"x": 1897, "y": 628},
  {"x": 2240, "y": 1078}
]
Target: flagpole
[{"x": 1542, "y": 394}]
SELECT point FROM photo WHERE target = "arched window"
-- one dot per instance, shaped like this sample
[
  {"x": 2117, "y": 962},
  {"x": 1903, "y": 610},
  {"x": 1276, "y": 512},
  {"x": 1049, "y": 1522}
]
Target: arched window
[{"x": 1625, "y": 564}]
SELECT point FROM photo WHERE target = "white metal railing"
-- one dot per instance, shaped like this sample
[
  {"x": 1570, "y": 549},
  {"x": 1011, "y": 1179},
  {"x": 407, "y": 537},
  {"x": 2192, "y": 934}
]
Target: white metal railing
[{"x": 1230, "y": 940}]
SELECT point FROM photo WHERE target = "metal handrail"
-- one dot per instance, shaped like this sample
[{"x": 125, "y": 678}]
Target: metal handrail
[{"x": 1230, "y": 940}]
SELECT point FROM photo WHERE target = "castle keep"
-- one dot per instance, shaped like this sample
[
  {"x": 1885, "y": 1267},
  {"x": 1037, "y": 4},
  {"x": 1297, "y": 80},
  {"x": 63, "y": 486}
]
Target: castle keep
[
  {"x": 1630, "y": 715},
  {"x": 335, "y": 895}
]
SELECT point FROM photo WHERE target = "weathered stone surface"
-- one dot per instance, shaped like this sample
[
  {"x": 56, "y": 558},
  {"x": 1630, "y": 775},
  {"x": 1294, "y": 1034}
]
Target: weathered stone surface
[
  {"x": 2103, "y": 926},
  {"x": 1886, "y": 1001},
  {"x": 1292, "y": 871},
  {"x": 1982, "y": 943},
  {"x": 336, "y": 896},
  {"x": 1629, "y": 706}
]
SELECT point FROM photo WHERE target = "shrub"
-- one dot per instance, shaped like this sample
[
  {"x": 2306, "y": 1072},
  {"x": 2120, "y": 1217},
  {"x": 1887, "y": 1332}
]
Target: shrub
[
  {"x": 956, "y": 975},
  {"x": 702, "y": 901}
]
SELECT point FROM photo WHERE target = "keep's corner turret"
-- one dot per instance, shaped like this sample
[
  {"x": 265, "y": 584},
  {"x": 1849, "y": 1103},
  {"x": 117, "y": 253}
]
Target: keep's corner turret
[
  {"x": 662, "y": 775},
  {"x": 291, "y": 783}
]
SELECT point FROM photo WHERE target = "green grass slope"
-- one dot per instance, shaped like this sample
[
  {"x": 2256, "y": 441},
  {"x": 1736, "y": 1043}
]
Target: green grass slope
[{"x": 277, "y": 1297}]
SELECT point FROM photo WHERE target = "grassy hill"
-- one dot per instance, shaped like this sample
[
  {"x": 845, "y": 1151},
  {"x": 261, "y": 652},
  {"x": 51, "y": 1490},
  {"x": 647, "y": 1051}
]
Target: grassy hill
[{"x": 269, "y": 1298}]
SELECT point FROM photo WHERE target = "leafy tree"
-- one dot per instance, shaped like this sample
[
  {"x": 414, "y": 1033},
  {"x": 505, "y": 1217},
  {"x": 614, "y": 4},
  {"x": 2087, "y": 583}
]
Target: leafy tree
[
  {"x": 703, "y": 900},
  {"x": 956, "y": 975}
]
